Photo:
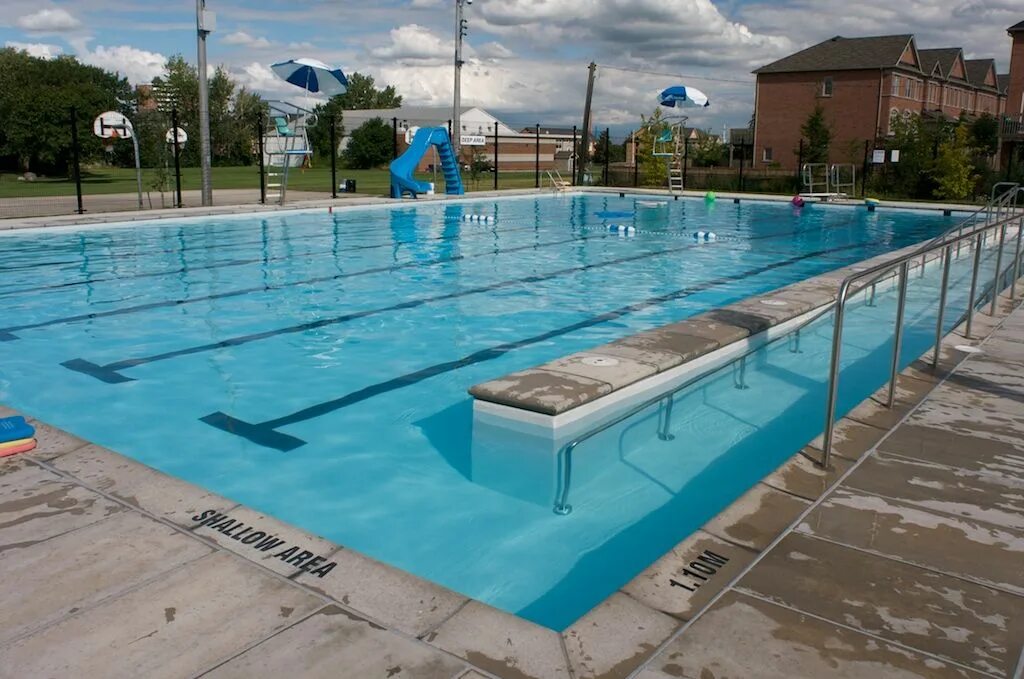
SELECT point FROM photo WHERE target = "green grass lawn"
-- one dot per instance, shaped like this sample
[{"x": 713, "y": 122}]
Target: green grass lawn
[{"x": 121, "y": 180}]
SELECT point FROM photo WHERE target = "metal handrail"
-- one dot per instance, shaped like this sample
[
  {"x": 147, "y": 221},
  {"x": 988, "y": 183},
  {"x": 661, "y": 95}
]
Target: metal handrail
[
  {"x": 903, "y": 264},
  {"x": 562, "y": 506}
]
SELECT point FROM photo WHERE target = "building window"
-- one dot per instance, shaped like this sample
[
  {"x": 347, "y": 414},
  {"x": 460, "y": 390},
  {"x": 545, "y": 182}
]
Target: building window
[
  {"x": 895, "y": 85},
  {"x": 766, "y": 154},
  {"x": 894, "y": 115},
  {"x": 826, "y": 87}
]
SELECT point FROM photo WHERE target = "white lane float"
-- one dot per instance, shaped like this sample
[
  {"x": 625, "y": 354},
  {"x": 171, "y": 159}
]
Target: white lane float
[
  {"x": 622, "y": 229},
  {"x": 482, "y": 219},
  {"x": 705, "y": 236}
]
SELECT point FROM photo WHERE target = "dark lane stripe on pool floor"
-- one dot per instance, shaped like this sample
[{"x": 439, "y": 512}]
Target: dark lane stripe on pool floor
[
  {"x": 110, "y": 373},
  {"x": 258, "y": 260},
  {"x": 266, "y": 434},
  {"x": 7, "y": 334}
]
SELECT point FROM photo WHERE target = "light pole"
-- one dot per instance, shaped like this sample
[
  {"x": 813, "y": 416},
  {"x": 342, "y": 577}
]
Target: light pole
[
  {"x": 460, "y": 32},
  {"x": 206, "y": 22}
]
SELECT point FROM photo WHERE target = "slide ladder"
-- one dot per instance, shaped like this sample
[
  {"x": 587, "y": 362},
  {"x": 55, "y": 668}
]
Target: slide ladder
[{"x": 402, "y": 168}]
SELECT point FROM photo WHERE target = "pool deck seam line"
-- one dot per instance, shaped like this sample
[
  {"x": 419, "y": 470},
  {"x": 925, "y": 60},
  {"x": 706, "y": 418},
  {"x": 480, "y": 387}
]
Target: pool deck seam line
[
  {"x": 855, "y": 630},
  {"x": 915, "y": 564},
  {"x": 216, "y": 548},
  {"x": 731, "y": 585}
]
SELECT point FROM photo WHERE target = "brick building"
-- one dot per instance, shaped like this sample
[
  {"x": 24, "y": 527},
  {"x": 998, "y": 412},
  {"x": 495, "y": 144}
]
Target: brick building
[{"x": 863, "y": 84}]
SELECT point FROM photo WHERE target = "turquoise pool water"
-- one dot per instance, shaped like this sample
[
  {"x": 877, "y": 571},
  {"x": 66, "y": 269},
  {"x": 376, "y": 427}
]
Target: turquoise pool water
[{"x": 315, "y": 366}]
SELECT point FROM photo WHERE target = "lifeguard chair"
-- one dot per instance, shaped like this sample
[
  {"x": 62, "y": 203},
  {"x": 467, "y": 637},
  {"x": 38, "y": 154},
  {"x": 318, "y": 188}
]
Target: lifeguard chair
[{"x": 670, "y": 144}]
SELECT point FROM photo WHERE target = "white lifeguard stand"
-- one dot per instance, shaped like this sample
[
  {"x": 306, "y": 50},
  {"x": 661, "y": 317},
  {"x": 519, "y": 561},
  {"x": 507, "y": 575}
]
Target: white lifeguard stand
[
  {"x": 285, "y": 144},
  {"x": 670, "y": 144}
]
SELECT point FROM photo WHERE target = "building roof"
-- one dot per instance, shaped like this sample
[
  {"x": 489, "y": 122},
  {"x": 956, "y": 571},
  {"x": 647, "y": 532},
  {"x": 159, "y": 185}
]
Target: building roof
[
  {"x": 945, "y": 57},
  {"x": 844, "y": 54},
  {"x": 977, "y": 69},
  {"x": 1004, "y": 82},
  {"x": 1016, "y": 28}
]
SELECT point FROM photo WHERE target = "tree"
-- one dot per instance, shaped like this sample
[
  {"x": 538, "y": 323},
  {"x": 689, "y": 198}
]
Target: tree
[
  {"x": 817, "y": 137},
  {"x": 362, "y": 94},
  {"x": 655, "y": 170},
  {"x": 953, "y": 170},
  {"x": 36, "y": 96},
  {"x": 708, "y": 151},
  {"x": 370, "y": 145},
  {"x": 233, "y": 112},
  {"x": 984, "y": 134}
]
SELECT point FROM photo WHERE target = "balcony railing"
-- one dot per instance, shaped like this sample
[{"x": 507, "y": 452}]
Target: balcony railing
[{"x": 1012, "y": 127}]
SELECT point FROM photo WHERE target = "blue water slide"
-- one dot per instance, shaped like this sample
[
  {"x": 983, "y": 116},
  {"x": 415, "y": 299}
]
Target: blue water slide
[{"x": 402, "y": 167}]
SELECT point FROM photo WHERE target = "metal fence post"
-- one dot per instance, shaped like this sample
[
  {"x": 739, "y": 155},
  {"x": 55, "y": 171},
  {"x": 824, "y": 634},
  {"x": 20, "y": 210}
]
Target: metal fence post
[
  {"x": 574, "y": 155},
  {"x": 259, "y": 148},
  {"x": 1016, "y": 259},
  {"x": 636, "y": 160},
  {"x": 686, "y": 157},
  {"x": 536, "y": 157},
  {"x": 76, "y": 165},
  {"x": 864, "y": 171},
  {"x": 607, "y": 154},
  {"x": 334, "y": 158},
  {"x": 799, "y": 162},
  {"x": 495, "y": 156},
  {"x": 948, "y": 255},
  {"x": 177, "y": 157},
  {"x": 897, "y": 342},
  {"x": 394, "y": 138},
  {"x": 743, "y": 153}
]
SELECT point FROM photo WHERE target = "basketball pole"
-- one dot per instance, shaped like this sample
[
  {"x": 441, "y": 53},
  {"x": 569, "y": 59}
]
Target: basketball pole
[{"x": 202, "y": 30}]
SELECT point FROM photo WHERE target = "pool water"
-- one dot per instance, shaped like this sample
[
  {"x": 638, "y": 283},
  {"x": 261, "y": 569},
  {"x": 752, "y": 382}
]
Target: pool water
[{"x": 314, "y": 366}]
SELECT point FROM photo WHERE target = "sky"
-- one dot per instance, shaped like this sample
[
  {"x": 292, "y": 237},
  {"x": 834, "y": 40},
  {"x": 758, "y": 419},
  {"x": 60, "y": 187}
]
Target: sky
[{"x": 526, "y": 59}]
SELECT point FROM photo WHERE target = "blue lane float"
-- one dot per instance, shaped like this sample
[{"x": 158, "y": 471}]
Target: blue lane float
[{"x": 705, "y": 236}]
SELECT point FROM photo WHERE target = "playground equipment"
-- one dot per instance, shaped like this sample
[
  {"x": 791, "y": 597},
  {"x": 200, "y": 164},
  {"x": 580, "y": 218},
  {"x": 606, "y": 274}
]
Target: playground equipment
[
  {"x": 285, "y": 144},
  {"x": 828, "y": 182},
  {"x": 403, "y": 167}
]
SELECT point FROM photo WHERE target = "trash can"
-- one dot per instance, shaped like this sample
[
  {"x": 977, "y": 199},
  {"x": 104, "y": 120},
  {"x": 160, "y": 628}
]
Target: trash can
[{"x": 350, "y": 186}]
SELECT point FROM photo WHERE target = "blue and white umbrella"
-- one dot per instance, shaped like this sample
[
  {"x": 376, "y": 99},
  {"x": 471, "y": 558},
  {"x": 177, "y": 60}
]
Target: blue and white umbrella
[
  {"x": 312, "y": 75},
  {"x": 681, "y": 96}
]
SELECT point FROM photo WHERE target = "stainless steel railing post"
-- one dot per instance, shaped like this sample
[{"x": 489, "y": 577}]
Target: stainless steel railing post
[
  {"x": 974, "y": 285},
  {"x": 1016, "y": 259},
  {"x": 999, "y": 267},
  {"x": 948, "y": 255},
  {"x": 833, "y": 375},
  {"x": 897, "y": 343},
  {"x": 665, "y": 420}
]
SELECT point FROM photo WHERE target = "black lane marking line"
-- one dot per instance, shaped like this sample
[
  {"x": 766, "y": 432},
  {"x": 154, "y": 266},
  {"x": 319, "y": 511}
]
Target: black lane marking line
[
  {"x": 265, "y": 434},
  {"x": 7, "y": 334},
  {"x": 110, "y": 373},
  {"x": 242, "y": 262},
  {"x": 216, "y": 246}
]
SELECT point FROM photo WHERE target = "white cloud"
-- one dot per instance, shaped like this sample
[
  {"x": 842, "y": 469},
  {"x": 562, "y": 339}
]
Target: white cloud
[
  {"x": 494, "y": 50},
  {"x": 36, "y": 49},
  {"x": 425, "y": 4},
  {"x": 48, "y": 21},
  {"x": 305, "y": 46},
  {"x": 138, "y": 65},
  {"x": 415, "y": 43},
  {"x": 244, "y": 39}
]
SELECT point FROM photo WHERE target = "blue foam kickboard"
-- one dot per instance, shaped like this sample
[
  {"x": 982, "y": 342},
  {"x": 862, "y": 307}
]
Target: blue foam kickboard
[{"x": 14, "y": 428}]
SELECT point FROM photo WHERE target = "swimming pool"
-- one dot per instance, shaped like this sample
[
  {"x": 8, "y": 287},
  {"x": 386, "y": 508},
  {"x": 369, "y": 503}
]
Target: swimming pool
[{"x": 314, "y": 366}]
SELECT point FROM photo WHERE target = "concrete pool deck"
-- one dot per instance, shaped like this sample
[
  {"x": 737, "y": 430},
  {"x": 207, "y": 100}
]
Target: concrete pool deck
[{"x": 910, "y": 566}]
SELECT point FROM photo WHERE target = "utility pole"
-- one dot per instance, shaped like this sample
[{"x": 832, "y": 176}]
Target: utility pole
[
  {"x": 461, "y": 27},
  {"x": 206, "y": 22},
  {"x": 585, "y": 146}
]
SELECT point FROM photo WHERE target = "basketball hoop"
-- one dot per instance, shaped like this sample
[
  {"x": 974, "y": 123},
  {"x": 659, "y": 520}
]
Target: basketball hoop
[{"x": 108, "y": 143}]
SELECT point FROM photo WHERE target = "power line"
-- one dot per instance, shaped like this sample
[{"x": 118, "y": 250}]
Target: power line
[{"x": 677, "y": 75}]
